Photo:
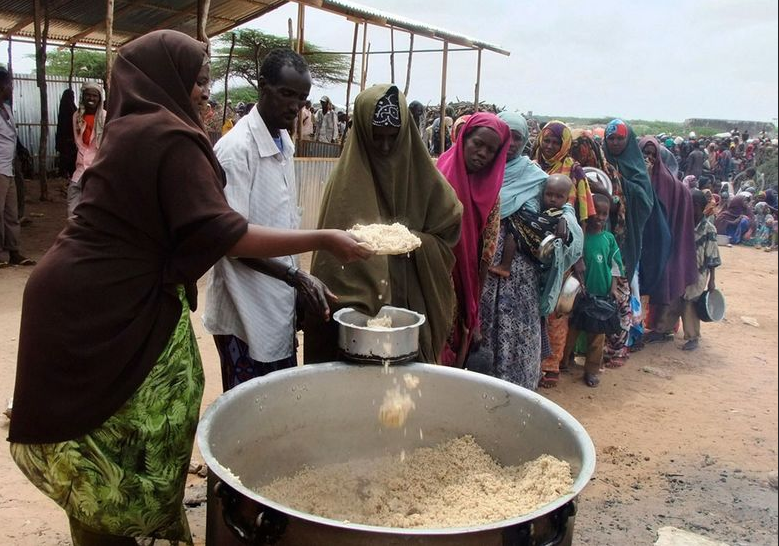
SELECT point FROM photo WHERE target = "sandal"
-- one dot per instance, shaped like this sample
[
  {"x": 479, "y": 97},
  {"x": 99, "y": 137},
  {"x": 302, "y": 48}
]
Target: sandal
[
  {"x": 615, "y": 362},
  {"x": 591, "y": 380},
  {"x": 18, "y": 259},
  {"x": 549, "y": 380},
  {"x": 4, "y": 264}
]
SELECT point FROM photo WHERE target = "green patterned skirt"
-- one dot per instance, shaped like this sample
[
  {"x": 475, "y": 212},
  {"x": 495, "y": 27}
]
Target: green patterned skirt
[{"x": 127, "y": 477}]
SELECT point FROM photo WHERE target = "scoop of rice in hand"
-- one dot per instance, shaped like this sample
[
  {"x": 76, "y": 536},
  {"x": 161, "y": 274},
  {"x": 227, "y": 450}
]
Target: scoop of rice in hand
[{"x": 386, "y": 239}]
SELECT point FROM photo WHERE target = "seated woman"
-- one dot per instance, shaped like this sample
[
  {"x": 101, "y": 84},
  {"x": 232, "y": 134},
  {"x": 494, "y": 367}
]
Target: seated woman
[
  {"x": 474, "y": 166},
  {"x": 385, "y": 175},
  {"x": 735, "y": 220}
]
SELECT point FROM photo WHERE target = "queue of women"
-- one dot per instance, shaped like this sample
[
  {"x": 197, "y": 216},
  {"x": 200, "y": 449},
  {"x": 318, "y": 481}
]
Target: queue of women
[{"x": 109, "y": 379}]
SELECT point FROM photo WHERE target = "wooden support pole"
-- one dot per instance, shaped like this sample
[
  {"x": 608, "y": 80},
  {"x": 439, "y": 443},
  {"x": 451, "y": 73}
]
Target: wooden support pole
[
  {"x": 351, "y": 66},
  {"x": 41, "y": 11},
  {"x": 301, "y": 28},
  {"x": 227, "y": 76},
  {"x": 367, "y": 63},
  {"x": 392, "y": 55},
  {"x": 290, "y": 33},
  {"x": 72, "y": 62},
  {"x": 442, "y": 113},
  {"x": 408, "y": 66},
  {"x": 478, "y": 84},
  {"x": 203, "y": 6},
  {"x": 301, "y": 51},
  {"x": 363, "y": 74},
  {"x": 109, "y": 36}
]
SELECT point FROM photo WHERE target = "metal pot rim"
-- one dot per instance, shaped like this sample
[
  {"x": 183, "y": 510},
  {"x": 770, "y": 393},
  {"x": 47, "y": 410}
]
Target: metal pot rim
[
  {"x": 224, "y": 474},
  {"x": 420, "y": 319}
]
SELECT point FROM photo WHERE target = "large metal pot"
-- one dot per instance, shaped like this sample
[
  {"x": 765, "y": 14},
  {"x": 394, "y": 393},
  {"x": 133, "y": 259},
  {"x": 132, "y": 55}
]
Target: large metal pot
[
  {"x": 395, "y": 344},
  {"x": 317, "y": 414}
]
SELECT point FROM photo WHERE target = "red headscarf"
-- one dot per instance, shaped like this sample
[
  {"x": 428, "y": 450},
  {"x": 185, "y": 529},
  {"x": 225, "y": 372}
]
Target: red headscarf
[{"x": 478, "y": 192}]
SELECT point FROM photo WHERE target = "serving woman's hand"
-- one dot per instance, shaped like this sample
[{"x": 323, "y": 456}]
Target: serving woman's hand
[{"x": 345, "y": 246}]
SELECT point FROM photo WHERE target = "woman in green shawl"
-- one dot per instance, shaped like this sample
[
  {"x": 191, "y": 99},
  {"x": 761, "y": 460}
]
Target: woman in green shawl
[{"x": 385, "y": 175}]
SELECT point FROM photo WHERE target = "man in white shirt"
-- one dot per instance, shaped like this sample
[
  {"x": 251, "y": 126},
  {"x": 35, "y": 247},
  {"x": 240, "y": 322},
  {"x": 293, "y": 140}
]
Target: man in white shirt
[
  {"x": 251, "y": 304},
  {"x": 326, "y": 122},
  {"x": 10, "y": 228}
]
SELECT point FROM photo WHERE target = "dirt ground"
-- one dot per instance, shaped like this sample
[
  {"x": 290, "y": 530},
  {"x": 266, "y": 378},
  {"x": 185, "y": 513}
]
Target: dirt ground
[{"x": 683, "y": 439}]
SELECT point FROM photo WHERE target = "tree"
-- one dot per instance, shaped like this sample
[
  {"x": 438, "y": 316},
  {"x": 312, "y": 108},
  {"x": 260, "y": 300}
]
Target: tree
[
  {"x": 251, "y": 47},
  {"x": 244, "y": 94},
  {"x": 86, "y": 64}
]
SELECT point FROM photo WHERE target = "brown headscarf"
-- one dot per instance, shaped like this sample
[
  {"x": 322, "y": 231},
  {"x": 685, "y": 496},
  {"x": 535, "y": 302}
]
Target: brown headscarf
[
  {"x": 101, "y": 305},
  {"x": 404, "y": 187}
]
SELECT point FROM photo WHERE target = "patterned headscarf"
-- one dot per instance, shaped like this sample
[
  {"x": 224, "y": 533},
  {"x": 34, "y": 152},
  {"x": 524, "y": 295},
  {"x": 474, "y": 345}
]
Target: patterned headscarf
[
  {"x": 616, "y": 126},
  {"x": 587, "y": 152},
  {"x": 563, "y": 163},
  {"x": 387, "y": 113}
]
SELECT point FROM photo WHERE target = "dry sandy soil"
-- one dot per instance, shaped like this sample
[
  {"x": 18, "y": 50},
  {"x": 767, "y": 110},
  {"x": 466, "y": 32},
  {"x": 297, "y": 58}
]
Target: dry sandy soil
[{"x": 683, "y": 439}]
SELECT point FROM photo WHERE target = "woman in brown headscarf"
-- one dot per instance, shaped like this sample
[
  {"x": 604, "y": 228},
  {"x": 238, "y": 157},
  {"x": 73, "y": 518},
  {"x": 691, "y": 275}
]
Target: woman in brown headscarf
[
  {"x": 385, "y": 175},
  {"x": 109, "y": 378}
]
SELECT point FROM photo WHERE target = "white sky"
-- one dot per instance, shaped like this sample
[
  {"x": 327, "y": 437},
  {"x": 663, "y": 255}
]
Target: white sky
[{"x": 658, "y": 60}]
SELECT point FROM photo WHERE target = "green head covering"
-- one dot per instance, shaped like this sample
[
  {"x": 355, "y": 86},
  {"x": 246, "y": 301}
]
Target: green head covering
[
  {"x": 367, "y": 187},
  {"x": 639, "y": 196}
]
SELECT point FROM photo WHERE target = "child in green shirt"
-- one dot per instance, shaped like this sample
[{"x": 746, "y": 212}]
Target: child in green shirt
[{"x": 603, "y": 263}]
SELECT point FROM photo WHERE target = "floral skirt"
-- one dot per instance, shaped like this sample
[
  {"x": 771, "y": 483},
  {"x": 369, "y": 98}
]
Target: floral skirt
[{"x": 127, "y": 476}]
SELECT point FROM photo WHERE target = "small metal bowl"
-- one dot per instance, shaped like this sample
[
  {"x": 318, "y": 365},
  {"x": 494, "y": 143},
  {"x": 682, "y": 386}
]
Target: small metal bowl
[
  {"x": 546, "y": 248},
  {"x": 397, "y": 343},
  {"x": 711, "y": 306}
]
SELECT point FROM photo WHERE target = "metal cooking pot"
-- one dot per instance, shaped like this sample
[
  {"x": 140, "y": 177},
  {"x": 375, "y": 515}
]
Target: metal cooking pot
[
  {"x": 398, "y": 343},
  {"x": 546, "y": 249},
  {"x": 312, "y": 415},
  {"x": 711, "y": 306},
  {"x": 597, "y": 175},
  {"x": 570, "y": 289}
]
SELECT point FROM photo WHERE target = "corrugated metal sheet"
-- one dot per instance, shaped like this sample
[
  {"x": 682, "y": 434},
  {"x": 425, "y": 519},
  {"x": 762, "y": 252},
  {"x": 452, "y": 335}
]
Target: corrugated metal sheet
[
  {"x": 27, "y": 111},
  {"x": 311, "y": 148},
  {"x": 84, "y": 19},
  {"x": 382, "y": 18},
  {"x": 311, "y": 175}
]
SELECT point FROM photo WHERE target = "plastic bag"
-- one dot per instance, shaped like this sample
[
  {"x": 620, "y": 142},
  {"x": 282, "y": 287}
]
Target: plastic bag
[{"x": 596, "y": 314}]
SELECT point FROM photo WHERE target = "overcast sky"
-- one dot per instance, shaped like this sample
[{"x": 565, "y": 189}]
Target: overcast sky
[{"x": 658, "y": 60}]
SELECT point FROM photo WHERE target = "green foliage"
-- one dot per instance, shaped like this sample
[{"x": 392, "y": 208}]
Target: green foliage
[
  {"x": 769, "y": 170},
  {"x": 251, "y": 47},
  {"x": 86, "y": 63},
  {"x": 244, "y": 94}
]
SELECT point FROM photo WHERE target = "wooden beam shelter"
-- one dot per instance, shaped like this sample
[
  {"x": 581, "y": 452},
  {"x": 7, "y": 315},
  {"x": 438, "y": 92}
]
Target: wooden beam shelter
[
  {"x": 351, "y": 66},
  {"x": 442, "y": 113}
]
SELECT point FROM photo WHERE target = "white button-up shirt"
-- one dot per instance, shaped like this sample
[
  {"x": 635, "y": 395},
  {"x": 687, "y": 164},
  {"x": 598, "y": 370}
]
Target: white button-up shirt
[{"x": 254, "y": 307}]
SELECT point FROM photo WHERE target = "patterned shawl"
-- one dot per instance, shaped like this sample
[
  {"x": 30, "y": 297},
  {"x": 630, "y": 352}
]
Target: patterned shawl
[{"x": 563, "y": 163}]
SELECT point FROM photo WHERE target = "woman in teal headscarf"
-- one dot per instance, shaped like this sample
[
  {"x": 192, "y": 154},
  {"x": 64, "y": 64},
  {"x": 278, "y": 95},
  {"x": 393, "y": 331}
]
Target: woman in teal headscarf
[
  {"x": 622, "y": 151},
  {"x": 647, "y": 240},
  {"x": 511, "y": 306}
]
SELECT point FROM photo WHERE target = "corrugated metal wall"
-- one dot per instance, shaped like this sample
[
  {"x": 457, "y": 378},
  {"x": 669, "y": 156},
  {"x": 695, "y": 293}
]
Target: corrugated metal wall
[
  {"x": 312, "y": 148},
  {"x": 27, "y": 111},
  {"x": 311, "y": 176}
]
